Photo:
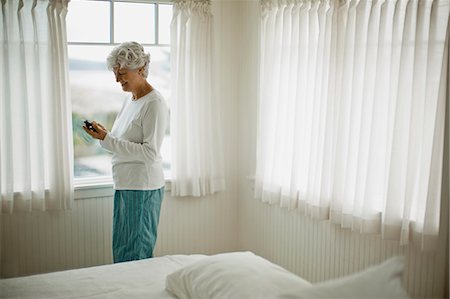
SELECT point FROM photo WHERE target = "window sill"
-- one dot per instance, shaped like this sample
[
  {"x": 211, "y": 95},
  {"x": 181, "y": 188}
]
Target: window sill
[
  {"x": 99, "y": 187},
  {"x": 93, "y": 187}
]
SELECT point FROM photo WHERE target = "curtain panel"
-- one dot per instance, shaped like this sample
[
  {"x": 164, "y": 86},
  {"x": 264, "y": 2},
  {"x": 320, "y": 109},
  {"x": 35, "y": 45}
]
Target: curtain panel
[
  {"x": 351, "y": 113},
  {"x": 36, "y": 155},
  {"x": 197, "y": 158}
]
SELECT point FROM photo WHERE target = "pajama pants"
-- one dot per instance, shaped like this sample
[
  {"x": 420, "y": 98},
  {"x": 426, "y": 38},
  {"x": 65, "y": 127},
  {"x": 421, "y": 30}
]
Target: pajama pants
[{"x": 135, "y": 223}]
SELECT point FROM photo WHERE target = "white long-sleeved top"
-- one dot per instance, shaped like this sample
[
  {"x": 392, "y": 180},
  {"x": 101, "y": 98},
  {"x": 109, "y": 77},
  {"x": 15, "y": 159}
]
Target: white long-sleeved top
[{"x": 135, "y": 141}]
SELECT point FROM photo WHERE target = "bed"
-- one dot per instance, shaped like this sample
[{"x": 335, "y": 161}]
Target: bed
[{"x": 227, "y": 275}]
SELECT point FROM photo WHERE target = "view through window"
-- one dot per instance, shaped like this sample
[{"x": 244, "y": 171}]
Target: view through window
[{"x": 94, "y": 27}]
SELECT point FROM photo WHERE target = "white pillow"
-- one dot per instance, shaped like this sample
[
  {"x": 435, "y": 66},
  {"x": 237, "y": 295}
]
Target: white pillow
[
  {"x": 232, "y": 275},
  {"x": 380, "y": 281}
]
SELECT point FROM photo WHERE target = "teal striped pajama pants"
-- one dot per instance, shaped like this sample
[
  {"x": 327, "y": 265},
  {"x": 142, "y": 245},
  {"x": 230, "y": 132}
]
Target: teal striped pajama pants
[{"x": 135, "y": 223}]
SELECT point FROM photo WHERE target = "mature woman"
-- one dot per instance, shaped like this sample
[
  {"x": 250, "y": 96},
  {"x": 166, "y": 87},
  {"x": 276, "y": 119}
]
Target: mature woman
[{"x": 135, "y": 141}]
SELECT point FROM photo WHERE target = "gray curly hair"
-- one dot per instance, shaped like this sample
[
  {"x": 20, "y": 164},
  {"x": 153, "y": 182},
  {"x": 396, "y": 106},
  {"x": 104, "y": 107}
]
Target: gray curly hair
[{"x": 129, "y": 55}]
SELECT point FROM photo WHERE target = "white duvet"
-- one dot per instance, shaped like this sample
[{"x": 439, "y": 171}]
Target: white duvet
[{"x": 137, "y": 279}]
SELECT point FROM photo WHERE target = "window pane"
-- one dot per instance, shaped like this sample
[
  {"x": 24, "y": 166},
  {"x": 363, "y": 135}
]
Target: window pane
[
  {"x": 88, "y": 21},
  {"x": 134, "y": 22},
  {"x": 165, "y": 17},
  {"x": 159, "y": 69},
  {"x": 97, "y": 96}
]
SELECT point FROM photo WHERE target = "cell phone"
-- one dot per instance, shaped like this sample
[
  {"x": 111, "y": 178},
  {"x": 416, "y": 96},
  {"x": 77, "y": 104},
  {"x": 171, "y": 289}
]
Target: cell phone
[{"x": 90, "y": 126}]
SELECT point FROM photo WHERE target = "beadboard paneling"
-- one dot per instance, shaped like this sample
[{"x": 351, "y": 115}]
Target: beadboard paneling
[{"x": 40, "y": 242}]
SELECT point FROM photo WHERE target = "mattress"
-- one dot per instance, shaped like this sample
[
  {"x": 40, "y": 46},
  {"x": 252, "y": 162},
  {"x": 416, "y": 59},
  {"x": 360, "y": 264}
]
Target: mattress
[{"x": 144, "y": 279}]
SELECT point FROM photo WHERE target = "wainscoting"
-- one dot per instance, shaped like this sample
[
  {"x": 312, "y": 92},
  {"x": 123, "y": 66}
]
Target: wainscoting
[{"x": 46, "y": 242}]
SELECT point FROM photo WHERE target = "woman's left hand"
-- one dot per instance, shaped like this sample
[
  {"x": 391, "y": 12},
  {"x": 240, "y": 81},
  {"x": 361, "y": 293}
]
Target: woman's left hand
[{"x": 101, "y": 131}]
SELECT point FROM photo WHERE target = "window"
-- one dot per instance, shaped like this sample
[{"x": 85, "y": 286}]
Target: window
[{"x": 94, "y": 27}]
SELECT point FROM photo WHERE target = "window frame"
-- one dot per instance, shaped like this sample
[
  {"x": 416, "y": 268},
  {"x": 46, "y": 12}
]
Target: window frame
[{"x": 91, "y": 187}]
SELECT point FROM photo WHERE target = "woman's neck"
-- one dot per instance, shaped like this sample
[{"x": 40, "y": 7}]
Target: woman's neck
[{"x": 142, "y": 90}]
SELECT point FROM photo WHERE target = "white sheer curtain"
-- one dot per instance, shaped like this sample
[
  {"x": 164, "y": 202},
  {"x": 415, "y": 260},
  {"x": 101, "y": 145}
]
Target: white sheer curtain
[
  {"x": 36, "y": 159},
  {"x": 197, "y": 165},
  {"x": 351, "y": 112}
]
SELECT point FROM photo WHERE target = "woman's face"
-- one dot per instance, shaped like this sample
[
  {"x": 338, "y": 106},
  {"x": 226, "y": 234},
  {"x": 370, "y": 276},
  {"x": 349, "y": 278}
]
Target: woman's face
[{"x": 128, "y": 79}]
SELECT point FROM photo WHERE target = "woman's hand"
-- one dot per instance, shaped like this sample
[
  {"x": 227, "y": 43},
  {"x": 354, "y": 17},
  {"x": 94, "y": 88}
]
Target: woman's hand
[{"x": 101, "y": 131}]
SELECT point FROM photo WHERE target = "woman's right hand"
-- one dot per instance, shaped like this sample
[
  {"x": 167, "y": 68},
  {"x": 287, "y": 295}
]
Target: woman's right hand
[{"x": 101, "y": 131}]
